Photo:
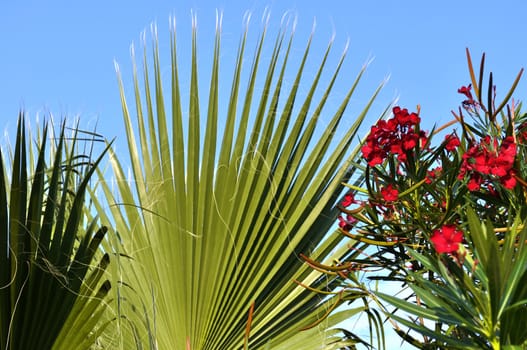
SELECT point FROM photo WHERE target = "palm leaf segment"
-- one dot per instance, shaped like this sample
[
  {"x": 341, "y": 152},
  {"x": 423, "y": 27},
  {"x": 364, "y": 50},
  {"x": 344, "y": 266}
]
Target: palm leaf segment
[
  {"x": 48, "y": 283},
  {"x": 216, "y": 216}
]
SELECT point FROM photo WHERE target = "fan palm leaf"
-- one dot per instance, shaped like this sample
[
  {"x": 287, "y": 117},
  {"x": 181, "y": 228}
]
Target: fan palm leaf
[
  {"x": 219, "y": 208},
  {"x": 48, "y": 282}
]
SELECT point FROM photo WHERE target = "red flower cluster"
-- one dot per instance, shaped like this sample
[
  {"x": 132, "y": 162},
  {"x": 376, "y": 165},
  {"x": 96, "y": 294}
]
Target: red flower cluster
[
  {"x": 452, "y": 142},
  {"x": 486, "y": 160},
  {"x": 433, "y": 174},
  {"x": 447, "y": 239},
  {"x": 346, "y": 223},
  {"x": 389, "y": 193},
  {"x": 393, "y": 136}
]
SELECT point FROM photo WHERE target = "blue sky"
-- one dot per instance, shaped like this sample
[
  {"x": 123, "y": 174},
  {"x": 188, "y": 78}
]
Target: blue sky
[{"x": 58, "y": 57}]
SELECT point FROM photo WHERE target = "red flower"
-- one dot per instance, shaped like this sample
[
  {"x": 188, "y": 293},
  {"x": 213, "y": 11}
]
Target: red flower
[
  {"x": 475, "y": 182},
  {"x": 348, "y": 200},
  {"x": 465, "y": 90},
  {"x": 508, "y": 148},
  {"x": 482, "y": 162},
  {"x": 389, "y": 194},
  {"x": 452, "y": 142},
  {"x": 404, "y": 118},
  {"x": 373, "y": 154},
  {"x": 447, "y": 239},
  {"x": 423, "y": 138},
  {"x": 409, "y": 141},
  {"x": 347, "y": 223},
  {"x": 509, "y": 181}
]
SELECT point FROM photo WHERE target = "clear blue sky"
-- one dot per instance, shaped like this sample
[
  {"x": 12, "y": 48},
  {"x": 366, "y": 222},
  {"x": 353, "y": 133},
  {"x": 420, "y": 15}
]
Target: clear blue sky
[{"x": 57, "y": 56}]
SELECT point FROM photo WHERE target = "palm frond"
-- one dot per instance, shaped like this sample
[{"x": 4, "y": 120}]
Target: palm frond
[
  {"x": 221, "y": 206},
  {"x": 47, "y": 247}
]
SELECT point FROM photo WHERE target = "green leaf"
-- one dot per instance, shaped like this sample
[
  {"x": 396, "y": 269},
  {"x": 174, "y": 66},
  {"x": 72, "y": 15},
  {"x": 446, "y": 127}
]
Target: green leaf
[
  {"x": 37, "y": 294},
  {"x": 214, "y": 224}
]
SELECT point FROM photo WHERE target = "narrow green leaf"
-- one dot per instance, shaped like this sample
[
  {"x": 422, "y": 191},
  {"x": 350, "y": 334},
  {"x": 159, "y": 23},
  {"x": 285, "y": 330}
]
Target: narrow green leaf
[
  {"x": 18, "y": 236},
  {"x": 5, "y": 259}
]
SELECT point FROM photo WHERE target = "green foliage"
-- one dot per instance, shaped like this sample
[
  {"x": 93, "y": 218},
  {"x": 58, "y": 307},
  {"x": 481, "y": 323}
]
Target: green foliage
[
  {"x": 478, "y": 303},
  {"x": 49, "y": 288},
  {"x": 210, "y": 230},
  {"x": 448, "y": 221}
]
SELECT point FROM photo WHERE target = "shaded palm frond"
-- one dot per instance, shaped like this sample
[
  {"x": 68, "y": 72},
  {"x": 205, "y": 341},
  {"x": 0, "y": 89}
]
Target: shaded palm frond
[{"x": 49, "y": 285}]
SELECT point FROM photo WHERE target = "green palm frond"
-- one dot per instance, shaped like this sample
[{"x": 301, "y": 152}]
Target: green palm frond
[
  {"x": 221, "y": 206},
  {"x": 47, "y": 249}
]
